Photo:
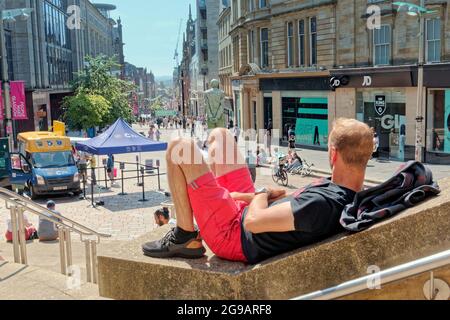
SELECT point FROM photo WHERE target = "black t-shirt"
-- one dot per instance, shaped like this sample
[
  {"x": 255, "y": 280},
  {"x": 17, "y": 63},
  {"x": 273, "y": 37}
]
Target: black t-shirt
[{"x": 317, "y": 210}]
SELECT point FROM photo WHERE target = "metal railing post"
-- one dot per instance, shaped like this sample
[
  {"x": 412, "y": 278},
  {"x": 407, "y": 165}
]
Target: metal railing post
[
  {"x": 87, "y": 247},
  {"x": 94, "y": 262},
  {"x": 69, "y": 256},
  {"x": 22, "y": 238},
  {"x": 62, "y": 251},
  {"x": 15, "y": 234},
  {"x": 159, "y": 181}
]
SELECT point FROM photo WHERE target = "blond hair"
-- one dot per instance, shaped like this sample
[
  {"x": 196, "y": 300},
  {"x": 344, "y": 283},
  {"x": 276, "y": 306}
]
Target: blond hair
[{"x": 353, "y": 140}]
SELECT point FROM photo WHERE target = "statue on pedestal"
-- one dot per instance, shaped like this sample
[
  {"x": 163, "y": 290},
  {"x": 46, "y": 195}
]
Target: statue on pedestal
[{"x": 214, "y": 106}]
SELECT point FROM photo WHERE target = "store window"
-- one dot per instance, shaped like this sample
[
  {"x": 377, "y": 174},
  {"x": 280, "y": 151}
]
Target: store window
[
  {"x": 439, "y": 121},
  {"x": 384, "y": 110},
  {"x": 309, "y": 117}
]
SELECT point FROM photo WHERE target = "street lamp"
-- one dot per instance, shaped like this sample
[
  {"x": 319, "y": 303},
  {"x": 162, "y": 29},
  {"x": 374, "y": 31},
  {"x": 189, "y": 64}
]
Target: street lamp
[
  {"x": 9, "y": 16},
  {"x": 418, "y": 11}
]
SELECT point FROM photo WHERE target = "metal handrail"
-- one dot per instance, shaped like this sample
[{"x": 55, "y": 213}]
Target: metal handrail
[
  {"x": 15, "y": 198},
  {"x": 384, "y": 277},
  {"x": 20, "y": 204}
]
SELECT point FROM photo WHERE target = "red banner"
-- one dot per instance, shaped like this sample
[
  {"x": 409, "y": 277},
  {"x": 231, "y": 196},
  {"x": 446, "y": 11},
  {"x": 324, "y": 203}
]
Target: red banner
[{"x": 18, "y": 106}]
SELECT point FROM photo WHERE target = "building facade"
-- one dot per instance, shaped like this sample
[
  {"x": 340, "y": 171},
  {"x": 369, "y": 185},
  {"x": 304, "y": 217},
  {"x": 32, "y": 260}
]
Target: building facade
[
  {"x": 379, "y": 69},
  {"x": 286, "y": 55},
  {"x": 226, "y": 57},
  {"x": 46, "y": 50}
]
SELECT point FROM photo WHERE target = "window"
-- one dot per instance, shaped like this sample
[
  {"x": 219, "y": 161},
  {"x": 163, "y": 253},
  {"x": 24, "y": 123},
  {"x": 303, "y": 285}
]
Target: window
[
  {"x": 382, "y": 45},
  {"x": 290, "y": 44},
  {"x": 251, "y": 46},
  {"x": 262, "y": 4},
  {"x": 264, "y": 47},
  {"x": 236, "y": 63},
  {"x": 313, "y": 41},
  {"x": 433, "y": 40},
  {"x": 250, "y": 5},
  {"x": 301, "y": 42}
]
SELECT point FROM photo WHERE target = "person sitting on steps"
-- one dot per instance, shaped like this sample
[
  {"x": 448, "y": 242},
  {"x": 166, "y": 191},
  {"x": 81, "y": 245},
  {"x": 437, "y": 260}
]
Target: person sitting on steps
[{"x": 239, "y": 225}]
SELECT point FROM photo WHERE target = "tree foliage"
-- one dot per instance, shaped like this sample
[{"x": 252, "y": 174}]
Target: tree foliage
[
  {"x": 85, "y": 111},
  {"x": 97, "y": 80}
]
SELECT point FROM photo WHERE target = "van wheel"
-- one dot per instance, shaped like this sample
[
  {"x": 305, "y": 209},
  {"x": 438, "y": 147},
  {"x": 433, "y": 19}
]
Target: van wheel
[{"x": 33, "y": 194}]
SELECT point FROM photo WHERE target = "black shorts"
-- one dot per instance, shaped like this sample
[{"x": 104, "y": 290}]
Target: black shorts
[{"x": 109, "y": 170}]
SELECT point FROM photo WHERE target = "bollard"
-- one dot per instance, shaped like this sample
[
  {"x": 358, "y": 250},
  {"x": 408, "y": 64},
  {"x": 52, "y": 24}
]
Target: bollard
[
  {"x": 122, "y": 167},
  {"x": 143, "y": 186}
]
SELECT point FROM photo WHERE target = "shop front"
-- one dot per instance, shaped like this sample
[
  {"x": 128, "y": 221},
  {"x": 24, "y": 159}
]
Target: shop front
[
  {"x": 384, "y": 109},
  {"x": 383, "y": 98},
  {"x": 437, "y": 81},
  {"x": 303, "y": 106}
]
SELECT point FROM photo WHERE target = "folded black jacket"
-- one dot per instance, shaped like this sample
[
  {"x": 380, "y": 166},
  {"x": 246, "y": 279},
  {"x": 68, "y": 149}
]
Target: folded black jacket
[{"x": 412, "y": 184}]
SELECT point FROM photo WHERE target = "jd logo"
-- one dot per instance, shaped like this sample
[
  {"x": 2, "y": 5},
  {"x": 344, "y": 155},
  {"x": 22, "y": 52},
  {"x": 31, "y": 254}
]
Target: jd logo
[{"x": 367, "y": 81}]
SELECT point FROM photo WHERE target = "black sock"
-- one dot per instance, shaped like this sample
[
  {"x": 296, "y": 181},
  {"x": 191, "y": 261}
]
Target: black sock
[{"x": 183, "y": 236}]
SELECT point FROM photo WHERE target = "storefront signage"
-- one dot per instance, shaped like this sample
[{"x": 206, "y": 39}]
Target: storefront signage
[
  {"x": 367, "y": 82},
  {"x": 389, "y": 122},
  {"x": 380, "y": 105},
  {"x": 369, "y": 79}
]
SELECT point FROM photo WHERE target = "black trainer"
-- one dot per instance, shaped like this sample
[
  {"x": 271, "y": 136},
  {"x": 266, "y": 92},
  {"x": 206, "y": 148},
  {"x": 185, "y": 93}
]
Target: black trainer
[{"x": 176, "y": 243}]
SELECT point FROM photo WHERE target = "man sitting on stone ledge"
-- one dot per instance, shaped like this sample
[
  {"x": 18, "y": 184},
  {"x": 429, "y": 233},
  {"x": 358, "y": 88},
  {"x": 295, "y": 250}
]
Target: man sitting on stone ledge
[{"x": 238, "y": 224}]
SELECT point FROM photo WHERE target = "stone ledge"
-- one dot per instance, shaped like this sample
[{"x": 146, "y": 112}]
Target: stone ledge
[{"x": 124, "y": 273}]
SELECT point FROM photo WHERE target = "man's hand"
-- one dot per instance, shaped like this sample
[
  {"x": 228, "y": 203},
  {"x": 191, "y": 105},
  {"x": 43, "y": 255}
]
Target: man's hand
[
  {"x": 273, "y": 195},
  {"x": 276, "y": 194}
]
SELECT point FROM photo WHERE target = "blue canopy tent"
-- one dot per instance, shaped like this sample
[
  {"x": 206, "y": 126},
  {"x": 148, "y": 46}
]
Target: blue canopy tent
[{"x": 118, "y": 139}]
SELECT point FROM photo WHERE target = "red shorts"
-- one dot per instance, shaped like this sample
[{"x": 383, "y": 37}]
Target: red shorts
[{"x": 217, "y": 214}]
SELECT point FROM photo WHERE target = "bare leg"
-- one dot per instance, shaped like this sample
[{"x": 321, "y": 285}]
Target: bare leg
[
  {"x": 224, "y": 155},
  {"x": 182, "y": 174}
]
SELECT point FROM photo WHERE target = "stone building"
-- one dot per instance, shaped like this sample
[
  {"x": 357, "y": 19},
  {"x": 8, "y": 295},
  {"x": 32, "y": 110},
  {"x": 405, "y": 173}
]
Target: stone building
[
  {"x": 379, "y": 69},
  {"x": 46, "y": 50},
  {"x": 225, "y": 57},
  {"x": 286, "y": 53},
  {"x": 282, "y": 51}
]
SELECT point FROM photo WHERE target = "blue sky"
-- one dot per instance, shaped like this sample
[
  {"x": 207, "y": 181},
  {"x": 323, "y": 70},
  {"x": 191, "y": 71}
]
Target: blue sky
[{"x": 150, "y": 29}]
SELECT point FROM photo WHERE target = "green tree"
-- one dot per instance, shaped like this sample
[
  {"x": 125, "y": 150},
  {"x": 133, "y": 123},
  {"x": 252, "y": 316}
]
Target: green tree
[
  {"x": 85, "y": 111},
  {"x": 97, "y": 79}
]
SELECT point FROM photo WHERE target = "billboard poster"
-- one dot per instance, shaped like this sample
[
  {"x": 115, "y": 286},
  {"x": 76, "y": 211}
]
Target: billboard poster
[
  {"x": 18, "y": 106},
  {"x": 447, "y": 122}
]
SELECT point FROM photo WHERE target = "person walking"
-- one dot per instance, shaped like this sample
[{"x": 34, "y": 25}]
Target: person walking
[
  {"x": 151, "y": 133},
  {"x": 110, "y": 168},
  {"x": 236, "y": 133}
]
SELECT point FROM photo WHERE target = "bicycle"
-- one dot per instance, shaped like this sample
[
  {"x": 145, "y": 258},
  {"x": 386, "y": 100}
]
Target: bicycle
[
  {"x": 305, "y": 170},
  {"x": 280, "y": 175}
]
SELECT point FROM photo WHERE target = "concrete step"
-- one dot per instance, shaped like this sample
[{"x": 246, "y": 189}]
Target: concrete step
[
  {"x": 125, "y": 273},
  {"x": 20, "y": 282}
]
